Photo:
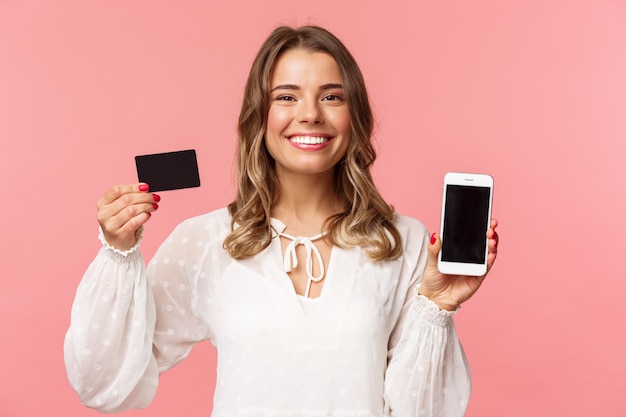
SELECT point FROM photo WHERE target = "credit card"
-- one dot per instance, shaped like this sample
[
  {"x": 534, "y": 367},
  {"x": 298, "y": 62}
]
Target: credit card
[{"x": 169, "y": 170}]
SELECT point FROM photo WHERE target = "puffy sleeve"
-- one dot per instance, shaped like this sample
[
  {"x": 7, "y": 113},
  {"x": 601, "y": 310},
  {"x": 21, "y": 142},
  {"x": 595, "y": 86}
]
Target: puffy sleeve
[
  {"x": 130, "y": 322},
  {"x": 427, "y": 373}
]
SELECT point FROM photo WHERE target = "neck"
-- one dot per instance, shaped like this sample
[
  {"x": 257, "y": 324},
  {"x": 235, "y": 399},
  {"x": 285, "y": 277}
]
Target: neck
[{"x": 305, "y": 202}]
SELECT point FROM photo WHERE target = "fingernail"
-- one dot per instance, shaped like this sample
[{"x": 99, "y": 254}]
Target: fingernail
[
  {"x": 433, "y": 239},
  {"x": 156, "y": 197},
  {"x": 144, "y": 187},
  {"x": 155, "y": 205}
]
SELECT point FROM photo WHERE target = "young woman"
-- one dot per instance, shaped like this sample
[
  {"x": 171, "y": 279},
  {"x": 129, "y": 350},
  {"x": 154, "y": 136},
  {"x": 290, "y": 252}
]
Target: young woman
[{"x": 320, "y": 300}]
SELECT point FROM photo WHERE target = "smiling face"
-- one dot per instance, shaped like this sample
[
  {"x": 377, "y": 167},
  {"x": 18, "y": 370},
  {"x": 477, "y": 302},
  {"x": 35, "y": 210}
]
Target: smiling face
[{"x": 308, "y": 124}]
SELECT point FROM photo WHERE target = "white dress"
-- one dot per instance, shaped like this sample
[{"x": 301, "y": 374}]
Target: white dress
[{"x": 367, "y": 347}]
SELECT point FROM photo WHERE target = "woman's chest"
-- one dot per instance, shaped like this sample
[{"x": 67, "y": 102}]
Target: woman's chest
[{"x": 255, "y": 304}]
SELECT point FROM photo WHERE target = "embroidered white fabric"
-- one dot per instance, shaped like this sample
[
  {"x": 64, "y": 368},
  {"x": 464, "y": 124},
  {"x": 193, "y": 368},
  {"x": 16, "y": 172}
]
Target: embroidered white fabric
[
  {"x": 121, "y": 253},
  {"x": 367, "y": 347}
]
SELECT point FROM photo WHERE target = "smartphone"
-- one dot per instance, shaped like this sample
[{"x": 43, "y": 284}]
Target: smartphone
[
  {"x": 465, "y": 219},
  {"x": 169, "y": 170}
]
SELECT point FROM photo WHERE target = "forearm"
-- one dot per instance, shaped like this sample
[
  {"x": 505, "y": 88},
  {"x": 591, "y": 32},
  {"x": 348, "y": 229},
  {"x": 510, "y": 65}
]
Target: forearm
[
  {"x": 108, "y": 347},
  {"x": 428, "y": 374}
]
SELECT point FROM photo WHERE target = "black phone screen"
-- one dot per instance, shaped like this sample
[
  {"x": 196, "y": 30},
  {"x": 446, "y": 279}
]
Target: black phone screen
[{"x": 464, "y": 224}]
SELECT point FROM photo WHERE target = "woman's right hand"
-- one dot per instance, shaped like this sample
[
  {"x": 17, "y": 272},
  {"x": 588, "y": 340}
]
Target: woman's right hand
[{"x": 122, "y": 210}]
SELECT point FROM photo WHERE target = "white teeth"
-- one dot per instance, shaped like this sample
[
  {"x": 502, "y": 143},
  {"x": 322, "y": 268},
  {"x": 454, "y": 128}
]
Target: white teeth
[{"x": 308, "y": 140}]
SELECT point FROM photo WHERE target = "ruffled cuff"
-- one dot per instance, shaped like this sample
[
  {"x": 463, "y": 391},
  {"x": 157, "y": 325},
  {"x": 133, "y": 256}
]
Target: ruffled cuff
[
  {"x": 117, "y": 252},
  {"x": 431, "y": 312}
]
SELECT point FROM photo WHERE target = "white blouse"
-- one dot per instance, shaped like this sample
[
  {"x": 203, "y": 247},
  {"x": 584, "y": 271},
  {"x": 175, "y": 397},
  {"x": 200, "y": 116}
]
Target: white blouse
[{"x": 367, "y": 347}]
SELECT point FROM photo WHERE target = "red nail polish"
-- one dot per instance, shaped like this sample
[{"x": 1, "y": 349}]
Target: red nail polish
[
  {"x": 155, "y": 205},
  {"x": 144, "y": 187},
  {"x": 433, "y": 239},
  {"x": 156, "y": 197}
]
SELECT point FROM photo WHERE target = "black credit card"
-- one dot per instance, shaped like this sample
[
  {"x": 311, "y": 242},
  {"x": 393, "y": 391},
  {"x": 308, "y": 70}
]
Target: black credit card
[{"x": 169, "y": 170}]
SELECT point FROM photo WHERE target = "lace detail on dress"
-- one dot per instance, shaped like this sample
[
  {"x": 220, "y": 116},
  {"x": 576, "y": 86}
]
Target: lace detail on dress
[
  {"x": 431, "y": 312},
  {"x": 122, "y": 253}
]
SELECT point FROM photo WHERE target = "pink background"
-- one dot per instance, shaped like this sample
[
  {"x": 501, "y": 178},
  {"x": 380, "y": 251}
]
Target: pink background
[{"x": 532, "y": 92}]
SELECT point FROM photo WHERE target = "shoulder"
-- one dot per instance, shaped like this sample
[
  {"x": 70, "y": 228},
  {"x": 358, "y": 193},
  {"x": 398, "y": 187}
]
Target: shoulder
[
  {"x": 414, "y": 235},
  {"x": 216, "y": 224},
  {"x": 410, "y": 228}
]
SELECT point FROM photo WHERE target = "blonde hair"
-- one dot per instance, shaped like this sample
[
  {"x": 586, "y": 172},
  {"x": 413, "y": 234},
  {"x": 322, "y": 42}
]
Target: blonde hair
[{"x": 367, "y": 221}]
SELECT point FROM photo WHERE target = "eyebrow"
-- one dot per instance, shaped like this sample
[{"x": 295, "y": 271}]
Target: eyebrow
[{"x": 323, "y": 87}]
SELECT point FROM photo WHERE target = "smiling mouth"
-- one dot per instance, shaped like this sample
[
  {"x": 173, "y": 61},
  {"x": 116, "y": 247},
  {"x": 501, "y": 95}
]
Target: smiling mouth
[{"x": 309, "y": 140}]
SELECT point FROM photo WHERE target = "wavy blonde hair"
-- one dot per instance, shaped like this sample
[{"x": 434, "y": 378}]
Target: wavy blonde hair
[{"x": 367, "y": 221}]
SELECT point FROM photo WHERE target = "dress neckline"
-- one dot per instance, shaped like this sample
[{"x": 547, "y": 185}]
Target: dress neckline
[{"x": 290, "y": 258}]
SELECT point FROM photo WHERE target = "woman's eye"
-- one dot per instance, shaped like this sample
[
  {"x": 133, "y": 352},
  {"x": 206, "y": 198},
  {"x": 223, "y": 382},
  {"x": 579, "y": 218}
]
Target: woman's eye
[
  {"x": 284, "y": 98},
  {"x": 332, "y": 97}
]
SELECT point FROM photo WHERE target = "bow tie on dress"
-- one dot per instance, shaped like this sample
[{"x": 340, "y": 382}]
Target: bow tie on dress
[{"x": 290, "y": 260}]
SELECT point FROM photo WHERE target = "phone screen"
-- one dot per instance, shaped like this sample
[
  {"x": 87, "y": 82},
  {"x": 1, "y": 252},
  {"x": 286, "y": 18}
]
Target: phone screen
[{"x": 465, "y": 224}]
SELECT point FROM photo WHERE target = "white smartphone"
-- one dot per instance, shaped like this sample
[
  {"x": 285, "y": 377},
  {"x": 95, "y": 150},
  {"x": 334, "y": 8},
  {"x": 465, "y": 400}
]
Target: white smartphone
[{"x": 465, "y": 218}]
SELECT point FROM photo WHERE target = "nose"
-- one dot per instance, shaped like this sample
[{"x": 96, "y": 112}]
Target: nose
[{"x": 309, "y": 112}]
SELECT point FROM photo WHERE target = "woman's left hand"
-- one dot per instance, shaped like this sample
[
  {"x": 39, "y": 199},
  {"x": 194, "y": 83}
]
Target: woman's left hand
[{"x": 449, "y": 291}]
